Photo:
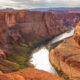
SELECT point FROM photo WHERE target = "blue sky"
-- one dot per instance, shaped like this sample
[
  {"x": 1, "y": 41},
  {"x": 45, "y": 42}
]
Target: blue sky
[{"x": 27, "y": 4}]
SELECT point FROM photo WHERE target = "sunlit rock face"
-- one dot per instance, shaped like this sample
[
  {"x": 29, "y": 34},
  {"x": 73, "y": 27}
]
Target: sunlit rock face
[
  {"x": 11, "y": 77},
  {"x": 77, "y": 34},
  {"x": 1, "y": 72},
  {"x": 29, "y": 74},
  {"x": 2, "y": 54},
  {"x": 66, "y": 57}
]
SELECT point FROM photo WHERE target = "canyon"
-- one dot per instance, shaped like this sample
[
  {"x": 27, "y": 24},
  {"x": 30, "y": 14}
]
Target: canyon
[
  {"x": 66, "y": 56},
  {"x": 22, "y": 31},
  {"x": 15, "y": 25}
]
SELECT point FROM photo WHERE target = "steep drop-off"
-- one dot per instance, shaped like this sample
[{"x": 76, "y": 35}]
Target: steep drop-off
[
  {"x": 20, "y": 31},
  {"x": 26, "y": 25},
  {"x": 66, "y": 57}
]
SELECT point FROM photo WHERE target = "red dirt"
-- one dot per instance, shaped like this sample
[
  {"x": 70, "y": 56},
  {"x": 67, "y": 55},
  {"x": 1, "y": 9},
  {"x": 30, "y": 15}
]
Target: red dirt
[{"x": 29, "y": 74}]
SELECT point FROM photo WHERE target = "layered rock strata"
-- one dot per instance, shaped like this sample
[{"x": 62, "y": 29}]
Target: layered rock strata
[
  {"x": 25, "y": 25},
  {"x": 66, "y": 57}
]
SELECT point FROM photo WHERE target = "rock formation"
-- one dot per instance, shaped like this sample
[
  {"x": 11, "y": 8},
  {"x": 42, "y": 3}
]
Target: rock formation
[
  {"x": 66, "y": 57},
  {"x": 20, "y": 31},
  {"x": 15, "y": 25},
  {"x": 77, "y": 34},
  {"x": 29, "y": 74},
  {"x": 1, "y": 72}
]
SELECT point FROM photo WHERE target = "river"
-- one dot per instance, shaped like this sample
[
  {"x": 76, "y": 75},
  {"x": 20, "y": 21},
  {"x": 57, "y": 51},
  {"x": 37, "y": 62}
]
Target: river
[{"x": 40, "y": 57}]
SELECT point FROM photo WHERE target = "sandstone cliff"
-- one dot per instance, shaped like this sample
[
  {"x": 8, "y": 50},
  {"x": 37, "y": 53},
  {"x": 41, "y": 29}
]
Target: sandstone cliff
[
  {"x": 20, "y": 31},
  {"x": 66, "y": 57},
  {"x": 25, "y": 25},
  {"x": 77, "y": 34}
]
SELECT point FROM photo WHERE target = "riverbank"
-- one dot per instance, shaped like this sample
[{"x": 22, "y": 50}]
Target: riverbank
[
  {"x": 24, "y": 54},
  {"x": 40, "y": 55},
  {"x": 17, "y": 56}
]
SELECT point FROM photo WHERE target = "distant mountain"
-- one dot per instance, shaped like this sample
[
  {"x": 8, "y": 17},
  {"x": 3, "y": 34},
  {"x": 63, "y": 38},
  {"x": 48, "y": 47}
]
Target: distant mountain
[
  {"x": 46, "y": 9},
  {"x": 39, "y": 9},
  {"x": 8, "y": 9},
  {"x": 53, "y": 9}
]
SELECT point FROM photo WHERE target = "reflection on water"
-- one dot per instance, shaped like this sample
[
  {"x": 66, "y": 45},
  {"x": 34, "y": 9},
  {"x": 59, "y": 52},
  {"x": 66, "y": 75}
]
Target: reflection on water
[{"x": 40, "y": 59}]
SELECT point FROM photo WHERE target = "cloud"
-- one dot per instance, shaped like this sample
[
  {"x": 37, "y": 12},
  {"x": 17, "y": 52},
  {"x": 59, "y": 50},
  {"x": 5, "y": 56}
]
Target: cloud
[{"x": 24, "y": 4}]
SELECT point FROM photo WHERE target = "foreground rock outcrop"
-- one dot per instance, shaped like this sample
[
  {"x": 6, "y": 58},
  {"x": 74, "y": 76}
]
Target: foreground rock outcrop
[
  {"x": 66, "y": 57},
  {"x": 29, "y": 74}
]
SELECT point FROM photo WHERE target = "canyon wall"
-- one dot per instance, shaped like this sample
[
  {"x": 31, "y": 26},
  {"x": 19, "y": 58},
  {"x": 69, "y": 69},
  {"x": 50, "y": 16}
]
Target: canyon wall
[
  {"x": 66, "y": 57},
  {"x": 22, "y": 25},
  {"x": 20, "y": 31},
  {"x": 77, "y": 34}
]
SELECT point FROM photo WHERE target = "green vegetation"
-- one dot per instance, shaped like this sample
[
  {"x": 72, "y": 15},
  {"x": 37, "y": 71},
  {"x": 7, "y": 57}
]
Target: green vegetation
[
  {"x": 20, "y": 66},
  {"x": 35, "y": 42},
  {"x": 20, "y": 53},
  {"x": 8, "y": 66},
  {"x": 18, "y": 59},
  {"x": 21, "y": 59}
]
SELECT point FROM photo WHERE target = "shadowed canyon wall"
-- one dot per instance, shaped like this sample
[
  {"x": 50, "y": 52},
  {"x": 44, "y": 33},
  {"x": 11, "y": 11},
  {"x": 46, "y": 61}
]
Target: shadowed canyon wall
[{"x": 22, "y": 25}]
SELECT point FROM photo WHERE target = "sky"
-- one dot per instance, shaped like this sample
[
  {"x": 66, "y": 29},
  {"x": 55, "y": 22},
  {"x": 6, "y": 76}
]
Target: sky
[{"x": 28, "y": 4}]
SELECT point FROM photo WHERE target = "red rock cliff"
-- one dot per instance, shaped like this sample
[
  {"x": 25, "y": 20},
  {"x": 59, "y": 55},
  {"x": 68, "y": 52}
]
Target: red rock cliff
[
  {"x": 18, "y": 24},
  {"x": 66, "y": 57},
  {"x": 19, "y": 27},
  {"x": 77, "y": 34}
]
